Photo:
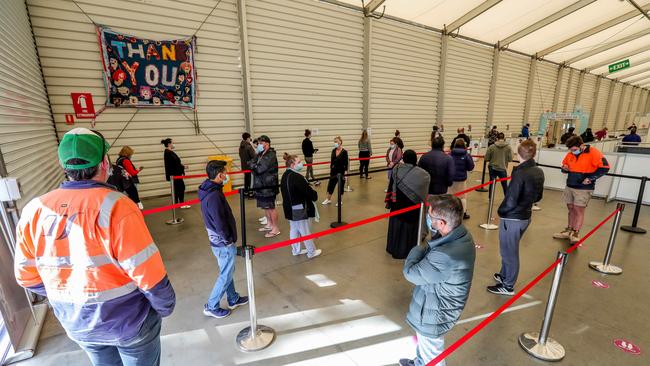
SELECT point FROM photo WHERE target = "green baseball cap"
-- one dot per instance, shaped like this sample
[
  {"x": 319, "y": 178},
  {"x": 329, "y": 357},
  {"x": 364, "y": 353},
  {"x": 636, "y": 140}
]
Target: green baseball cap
[{"x": 82, "y": 143}]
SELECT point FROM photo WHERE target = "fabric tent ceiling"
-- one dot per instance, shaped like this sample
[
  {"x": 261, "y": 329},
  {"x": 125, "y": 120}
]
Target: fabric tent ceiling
[{"x": 583, "y": 34}]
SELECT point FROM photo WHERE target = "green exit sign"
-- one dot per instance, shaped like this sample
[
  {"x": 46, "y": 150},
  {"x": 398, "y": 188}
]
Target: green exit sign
[{"x": 619, "y": 66}]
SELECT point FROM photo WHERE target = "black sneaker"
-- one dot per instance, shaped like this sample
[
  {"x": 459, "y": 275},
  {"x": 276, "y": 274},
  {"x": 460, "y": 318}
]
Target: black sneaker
[
  {"x": 465, "y": 216},
  {"x": 497, "y": 277},
  {"x": 501, "y": 290},
  {"x": 406, "y": 362}
]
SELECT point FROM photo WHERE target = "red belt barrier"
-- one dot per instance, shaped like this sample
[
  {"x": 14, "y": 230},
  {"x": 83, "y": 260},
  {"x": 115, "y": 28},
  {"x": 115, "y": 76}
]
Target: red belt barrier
[
  {"x": 512, "y": 300},
  {"x": 178, "y": 205}
]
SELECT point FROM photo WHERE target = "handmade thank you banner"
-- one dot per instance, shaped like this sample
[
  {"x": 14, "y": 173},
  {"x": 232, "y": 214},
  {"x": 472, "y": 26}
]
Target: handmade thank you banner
[{"x": 147, "y": 73}]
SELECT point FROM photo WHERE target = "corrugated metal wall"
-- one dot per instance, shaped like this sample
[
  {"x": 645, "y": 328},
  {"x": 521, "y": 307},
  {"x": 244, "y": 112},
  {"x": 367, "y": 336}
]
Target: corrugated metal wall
[
  {"x": 601, "y": 105},
  {"x": 71, "y": 63},
  {"x": 543, "y": 92},
  {"x": 587, "y": 94},
  {"x": 564, "y": 90},
  {"x": 306, "y": 72},
  {"x": 570, "y": 102},
  {"x": 624, "y": 103},
  {"x": 467, "y": 87},
  {"x": 613, "y": 106},
  {"x": 510, "y": 94},
  {"x": 27, "y": 136},
  {"x": 405, "y": 64}
]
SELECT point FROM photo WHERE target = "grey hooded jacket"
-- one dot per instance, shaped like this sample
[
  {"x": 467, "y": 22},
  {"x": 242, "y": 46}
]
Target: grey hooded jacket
[{"x": 442, "y": 273}]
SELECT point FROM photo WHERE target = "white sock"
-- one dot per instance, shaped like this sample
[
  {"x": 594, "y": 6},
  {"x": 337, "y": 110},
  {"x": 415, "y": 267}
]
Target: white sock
[{"x": 464, "y": 202}]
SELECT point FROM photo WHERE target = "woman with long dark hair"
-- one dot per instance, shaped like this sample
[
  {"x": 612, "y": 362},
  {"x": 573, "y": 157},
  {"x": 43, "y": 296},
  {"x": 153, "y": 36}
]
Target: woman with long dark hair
[
  {"x": 365, "y": 152},
  {"x": 174, "y": 168}
]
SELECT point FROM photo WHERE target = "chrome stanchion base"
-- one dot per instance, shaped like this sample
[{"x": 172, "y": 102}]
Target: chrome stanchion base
[
  {"x": 605, "y": 268},
  {"x": 550, "y": 351},
  {"x": 337, "y": 224},
  {"x": 263, "y": 338},
  {"x": 489, "y": 226},
  {"x": 175, "y": 222},
  {"x": 634, "y": 229}
]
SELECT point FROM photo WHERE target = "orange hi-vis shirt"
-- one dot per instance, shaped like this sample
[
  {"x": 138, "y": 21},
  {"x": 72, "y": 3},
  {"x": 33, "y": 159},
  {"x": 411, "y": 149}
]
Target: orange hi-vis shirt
[
  {"x": 590, "y": 163},
  {"x": 87, "y": 248}
]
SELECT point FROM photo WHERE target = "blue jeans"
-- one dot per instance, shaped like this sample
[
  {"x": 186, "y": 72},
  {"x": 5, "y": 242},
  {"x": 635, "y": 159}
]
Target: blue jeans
[
  {"x": 428, "y": 349},
  {"x": 224, "y": 285},
  {"x": 494, "y": 174},
  {"x": 141, "y": 350}
]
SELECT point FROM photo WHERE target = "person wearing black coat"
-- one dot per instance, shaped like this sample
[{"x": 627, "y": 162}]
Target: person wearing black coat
[
  {"x": 265, "y": 184},
  {"x": 461, "y": 136},
  {"x": 526, "y": 188},
  {"x": 339, "y": 165},
  {"x": 440, "y": 167},
  {"x": 174, "y": 168},
  {"x": 298, "y": 204},
  {"x": 246, "y": 154},
  {"x": 308, "y": 151}
]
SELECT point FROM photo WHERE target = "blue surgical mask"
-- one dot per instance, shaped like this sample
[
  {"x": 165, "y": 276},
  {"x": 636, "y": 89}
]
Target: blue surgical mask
[
  {"x": 260, "y": 148},
  {"x": 226, "y": 180},
  {"x": 336, "y": 145},
  {"x": 430, "y": 226},
  {"x": 576, "y": 152},
  {"x": 298, "y": 167},
  {"x": 392, "y": 146}
]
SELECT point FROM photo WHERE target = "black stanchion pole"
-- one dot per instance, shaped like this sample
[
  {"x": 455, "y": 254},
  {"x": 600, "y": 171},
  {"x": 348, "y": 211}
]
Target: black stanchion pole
[
  {"x": 483, "y": 189},
  {"x": 637, "y": 210},
  {"x": 339, "y": 188}
]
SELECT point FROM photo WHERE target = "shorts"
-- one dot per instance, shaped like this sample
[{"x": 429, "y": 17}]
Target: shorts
[
  {"x": 577, "y": 197},
  {"x": 266, "y": 203},
  {"x": 458, "y": 187}
]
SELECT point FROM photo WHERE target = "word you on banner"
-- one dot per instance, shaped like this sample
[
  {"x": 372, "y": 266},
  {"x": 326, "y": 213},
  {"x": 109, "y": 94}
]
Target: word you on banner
[{"x": 147, "y": 73}]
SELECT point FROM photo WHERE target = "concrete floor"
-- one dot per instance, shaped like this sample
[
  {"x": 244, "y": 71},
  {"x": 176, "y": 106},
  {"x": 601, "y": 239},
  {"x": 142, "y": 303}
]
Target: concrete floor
[{"x": 358, "y": 318}]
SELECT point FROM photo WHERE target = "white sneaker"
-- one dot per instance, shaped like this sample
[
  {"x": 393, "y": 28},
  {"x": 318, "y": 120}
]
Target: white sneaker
[
  {"x": 348, "y": 189},
  {"x": 262, "y": 220},
  {"x": 304, "y": 251},
  {"x": 316, "y": 253},
  {"x": 385, "y": 190},
  {"x": 140, "y": 206},
  {"x": 326, "y": 202},
  {"x": 337, "y": 204},
  {"x": 186, "y": 207},
  {"x": 536, "y": 208}
]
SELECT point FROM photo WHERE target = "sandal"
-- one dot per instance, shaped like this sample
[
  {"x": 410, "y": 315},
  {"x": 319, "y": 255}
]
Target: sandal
[
  {"x": 264, "y": 228},
  {"x": 271, "y": 234}
]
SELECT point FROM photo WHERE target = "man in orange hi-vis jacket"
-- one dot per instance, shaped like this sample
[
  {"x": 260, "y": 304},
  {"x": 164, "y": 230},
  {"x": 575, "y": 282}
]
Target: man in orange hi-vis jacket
[{"x": 87, "y": 248}]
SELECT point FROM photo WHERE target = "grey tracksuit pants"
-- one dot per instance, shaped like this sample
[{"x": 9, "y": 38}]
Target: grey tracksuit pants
[{"x": 510, "y": 233}]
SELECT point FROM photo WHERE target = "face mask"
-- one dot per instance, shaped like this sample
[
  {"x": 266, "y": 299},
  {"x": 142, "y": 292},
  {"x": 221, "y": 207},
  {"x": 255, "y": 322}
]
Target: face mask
[
  {"x": 336, "y": 145},
  {"x": 260, "y": 148},
  {"x": 576, "y": 152},
  {"x": 226, "y": 180},
  {"x": 298, "y": 167},
  {"x": 392, "y": 146},
  {"x": 430, "y": 226}
]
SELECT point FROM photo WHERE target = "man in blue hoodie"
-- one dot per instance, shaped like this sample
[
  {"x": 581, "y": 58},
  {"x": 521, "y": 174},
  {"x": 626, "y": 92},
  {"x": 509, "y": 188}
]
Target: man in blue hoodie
[{"x": 222, "y": 232}]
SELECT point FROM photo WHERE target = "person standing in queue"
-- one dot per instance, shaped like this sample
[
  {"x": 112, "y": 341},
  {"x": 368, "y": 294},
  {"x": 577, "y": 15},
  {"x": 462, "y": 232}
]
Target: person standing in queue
[
  {"x": 567, "y": 135},
  {"x": 588, "y": 135},
  {"x": 462, "y": 136},
  {"x": 222, "y": 232},
  {"x": 498, "y": 156},
  {"x": 408, "y": 187},
  {"x": 463, "y": 163},
  {"x": 246, "y": 154},
  {"x": 526, "y": 188},
  {"x": 492, "y": 135},
  {"x": 174, "y": 167},
  {"x": 365, "y": 152},
  {"x": 298, "y": 205},
  {"x": 393, "y": 154},
  {"x": 265, "y": 183},
  {"x": 525, "y": 131},
  {"x": 308, "y": 152},
  {"x": 87, "y": 249},
  {"x": 583, "y": 164},
  {"x": 601, "y": 134},
  {"x": 442, "y": 272},
  {"x": 124, "y": 160},
  {"x": 440, "y": 167},
  {"x": 632, "y": 138},
  {"x": 339, "y": 163}
]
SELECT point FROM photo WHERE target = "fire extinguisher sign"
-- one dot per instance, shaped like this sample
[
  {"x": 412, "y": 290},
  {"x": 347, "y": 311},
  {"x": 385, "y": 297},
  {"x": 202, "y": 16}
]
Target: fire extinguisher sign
[{"x": 83, "y": 105}]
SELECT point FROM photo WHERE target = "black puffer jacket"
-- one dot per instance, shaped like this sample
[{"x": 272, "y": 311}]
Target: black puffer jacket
[
  {"x": 526, "y": 188},
  {"x": 296, "y": 191},
  {"x": 265, "y": 173}
]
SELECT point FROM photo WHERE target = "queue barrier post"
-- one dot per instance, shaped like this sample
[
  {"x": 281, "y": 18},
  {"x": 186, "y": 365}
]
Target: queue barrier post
[
  {"x": 339, "y": 214},
  {"x": 175, "y": 220},
  {"x": 604, "y": 266},
  {"x": 540, "y": 345},
  {"x": 483, "y": 189},
  {"x": 420, "y": 224},
  {"x": 488, "y": 224},
  {"x": 637, "y": 210}
]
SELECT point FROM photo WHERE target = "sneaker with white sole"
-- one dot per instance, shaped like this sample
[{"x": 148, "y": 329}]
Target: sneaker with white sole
[
  {"x": 262, "y": 220},
  {"x": 564, "y": 234},
  {"x": 243, "y": 300},
  {"x": 140, "y": 206},
  {"x": 406, "y": 362},
  {"x": 304, "y": 251},
  {"x": 574, "y": 237},
  {"x": 501, "y": 289},
  {"x": 315, "y": 254},
  {"x": 337, "y": 204},
  {"x": 326, "y": 202},
  {"x": 218, "y": 313},
  {"x": 185, "y": 207},
  {"x": 536, "y": 208}
]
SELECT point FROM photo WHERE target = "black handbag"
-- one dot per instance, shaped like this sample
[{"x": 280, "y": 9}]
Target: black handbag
[{"x": 297, "y": 214}]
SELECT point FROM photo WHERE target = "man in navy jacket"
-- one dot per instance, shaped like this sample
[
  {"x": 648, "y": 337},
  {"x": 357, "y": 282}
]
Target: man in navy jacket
[
  {"x": 222, "y": 232},
  {"x": 440, "y": 167}
]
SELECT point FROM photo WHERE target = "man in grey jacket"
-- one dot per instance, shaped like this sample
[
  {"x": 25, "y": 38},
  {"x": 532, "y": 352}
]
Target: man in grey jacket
[
  {"x": 442, "y": 272},
  {"x": 498, "y": 156}
]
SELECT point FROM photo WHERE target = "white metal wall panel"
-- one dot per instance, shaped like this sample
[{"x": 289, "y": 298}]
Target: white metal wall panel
[
  {"x": 631, "y": 113},
  {"x": 601, "y": 104},
  {"x": 27, "y": 136},
  {"x": 613, "y": 106},
  {"x": 70, "y": 55},
  {"x": 467, "y": 87},
  {"x": 626, "y": 94},
  {"x": 405, "y": 64},
  {"x": 573, "y": 91},
  {"x": 510, "y": 93},
  {"x": 306, "y": 61},
  {"x": 564, "y": 89},
  {"x": 544, "y": 82},
  {"x": 587, "y": 94}
]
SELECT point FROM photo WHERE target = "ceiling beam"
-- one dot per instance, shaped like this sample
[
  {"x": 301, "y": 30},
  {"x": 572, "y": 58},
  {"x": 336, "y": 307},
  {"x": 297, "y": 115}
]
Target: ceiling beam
[
  {"x": 635, "y": 73},
  {"x": 633, "y": 68},
  {"x": 372, "y": 6},
  {"x": 640, "y": 9},
  {"x": 620, "y": 57},
  {"x": 546, "y": 21},
  {"x": 608, "y": 46},
  {"x": 590, "y": 32},
  {"x": 485, "y": 6},
  {"x": 637, "y": 79}
]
